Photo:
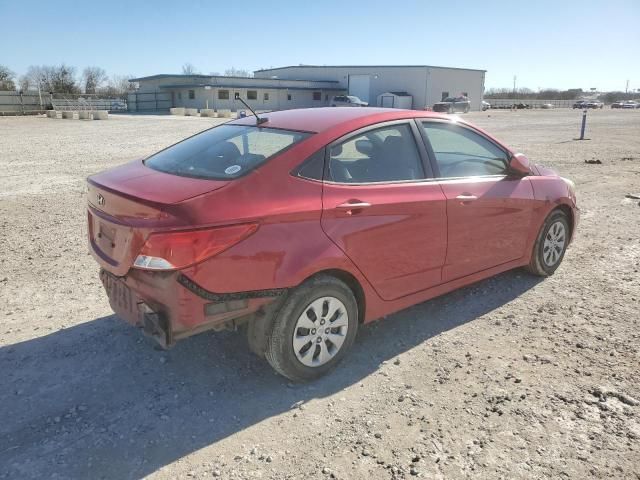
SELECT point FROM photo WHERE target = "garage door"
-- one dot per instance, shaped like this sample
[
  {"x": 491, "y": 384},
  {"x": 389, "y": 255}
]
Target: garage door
[{"x": 359, "y": 86}]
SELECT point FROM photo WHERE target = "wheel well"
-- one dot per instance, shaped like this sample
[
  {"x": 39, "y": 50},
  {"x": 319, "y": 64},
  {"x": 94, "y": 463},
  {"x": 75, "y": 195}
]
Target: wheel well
[
  {"x": 353, "y": 283},
  {"x": 569, "y": 213}
]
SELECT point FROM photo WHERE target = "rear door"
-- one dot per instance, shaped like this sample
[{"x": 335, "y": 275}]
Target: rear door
[
  {"x": 489, "y": 211},
  {"x": 383, "y": 210}
]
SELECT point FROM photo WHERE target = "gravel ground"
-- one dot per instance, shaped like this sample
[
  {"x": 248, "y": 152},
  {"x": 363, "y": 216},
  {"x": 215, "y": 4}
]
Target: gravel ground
[{"x": 510, "y": 378}]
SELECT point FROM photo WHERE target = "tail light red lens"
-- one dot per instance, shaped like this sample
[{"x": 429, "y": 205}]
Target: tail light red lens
[{"x": 180, "y": 249}]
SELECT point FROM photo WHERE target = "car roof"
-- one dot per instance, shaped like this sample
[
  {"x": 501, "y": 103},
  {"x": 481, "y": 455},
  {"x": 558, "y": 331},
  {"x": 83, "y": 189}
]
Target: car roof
[{"x": 324, "y": 118}]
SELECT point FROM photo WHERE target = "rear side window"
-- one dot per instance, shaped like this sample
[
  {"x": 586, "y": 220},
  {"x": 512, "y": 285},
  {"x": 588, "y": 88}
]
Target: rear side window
[
  {"x": 461, "y": 152},
  {"x": 313, "y": 167},
  {"x": 224, "y": 152},
  {"x": 386, "y": 154}
]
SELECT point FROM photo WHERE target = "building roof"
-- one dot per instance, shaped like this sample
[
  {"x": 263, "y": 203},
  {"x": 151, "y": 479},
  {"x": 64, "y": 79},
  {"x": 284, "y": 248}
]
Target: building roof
[
  {"x": 326, "y": 118},
  {"x": 169, "y": 75},
  {"x": 366, "y": 66}
]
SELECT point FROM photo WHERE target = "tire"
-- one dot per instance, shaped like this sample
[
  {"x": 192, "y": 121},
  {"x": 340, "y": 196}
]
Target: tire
[
  {"x": 543, "y": 261},
  {"x": 308, "y": 299}
]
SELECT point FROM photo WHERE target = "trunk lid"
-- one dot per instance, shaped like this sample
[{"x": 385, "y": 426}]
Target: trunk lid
[{"x": 127, "y": 203}]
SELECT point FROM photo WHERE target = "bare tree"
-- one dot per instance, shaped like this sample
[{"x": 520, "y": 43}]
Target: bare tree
[
  {"x": 63, "y": 79},
  {"x": 93, "y": 78},
  {"x": 7, "y": 79},
  {"x": 58, "y": 79},
  {"x": 189, "y": 69},
  {"x": 236, "y": 72},
  {"x": 117, "y": 86}
]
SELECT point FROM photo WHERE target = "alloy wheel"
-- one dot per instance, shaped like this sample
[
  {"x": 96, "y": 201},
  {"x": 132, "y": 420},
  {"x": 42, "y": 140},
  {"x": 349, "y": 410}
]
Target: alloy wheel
[
  {"x": 554, "y": 243},
  {"x": 320, "y": 331}
]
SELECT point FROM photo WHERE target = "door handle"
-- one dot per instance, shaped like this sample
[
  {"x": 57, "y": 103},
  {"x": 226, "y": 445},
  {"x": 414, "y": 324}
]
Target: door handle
[
  {"x": 466, "y": 197},
  {"x": 353, "y": 205}
]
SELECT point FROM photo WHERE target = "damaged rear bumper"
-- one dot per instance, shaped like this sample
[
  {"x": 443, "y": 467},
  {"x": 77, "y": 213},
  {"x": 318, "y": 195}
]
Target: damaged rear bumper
[{"x": 169, "y": 306}]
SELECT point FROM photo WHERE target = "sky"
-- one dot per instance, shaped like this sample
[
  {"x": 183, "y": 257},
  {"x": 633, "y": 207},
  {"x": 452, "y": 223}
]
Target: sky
[{"x": 544, "y": 44}]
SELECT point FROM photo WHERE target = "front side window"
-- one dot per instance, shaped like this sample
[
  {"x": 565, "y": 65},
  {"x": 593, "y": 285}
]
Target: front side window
[
  {"x": 460, "y": 152},
  {"x": 223, "y": 94},
  {"x": 252, "y": 94},
  {"x": 225, "y": 152},
  {"x": 386, "y": 154}
]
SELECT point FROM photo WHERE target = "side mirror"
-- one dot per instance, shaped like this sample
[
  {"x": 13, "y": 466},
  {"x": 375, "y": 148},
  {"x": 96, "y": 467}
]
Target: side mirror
[{"x": 520, "y": 164}]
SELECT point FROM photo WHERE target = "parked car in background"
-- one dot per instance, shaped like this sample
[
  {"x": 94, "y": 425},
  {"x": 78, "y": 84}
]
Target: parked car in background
[
  {"x": 118, "y": 105},
  {"x": 580, "y": 104},
  {"x": 547, "y": 106},
  {"x": 381, "y": 209},
  {"x": 347, "y": 101},
  {"x": 453, "y": 104},
  {"x": 630, "y": 104},
  {"x": 595, "y": 104},
  {"x": 485, "y": 106},
  {"x": 617, "y": 104}
]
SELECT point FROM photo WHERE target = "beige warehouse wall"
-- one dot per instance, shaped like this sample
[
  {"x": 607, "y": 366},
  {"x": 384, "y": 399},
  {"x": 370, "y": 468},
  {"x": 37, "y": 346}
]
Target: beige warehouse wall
[{"x": 455, "y": 82}]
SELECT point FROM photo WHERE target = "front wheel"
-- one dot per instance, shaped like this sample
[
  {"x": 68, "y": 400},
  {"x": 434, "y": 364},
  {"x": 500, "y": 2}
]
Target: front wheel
[
  {"x": 313, "y": 330},
  {"x": 551, "y": 244}
]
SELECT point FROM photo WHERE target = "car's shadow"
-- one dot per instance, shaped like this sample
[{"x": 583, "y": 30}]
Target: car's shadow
[{"x": 96, "y": 400}]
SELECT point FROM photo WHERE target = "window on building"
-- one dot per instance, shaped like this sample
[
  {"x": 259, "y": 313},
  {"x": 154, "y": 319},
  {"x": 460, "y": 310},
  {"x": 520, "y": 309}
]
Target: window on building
[
  {"x": 317, "y": 96},
  {"x": 266, "y": 97},
  {"x": 252, "y": 94},
  {"x": 223, "y": 94},
  {"x": 179, "y": 95},
  {"x": 192, "y": 94},
  {"x": 461, "y": 152},
  {"x": 444, "y": 95},
  {"x": 289, "y": 96},
  {"x": 386, "y": 154},
  {"x": 326, "y": 97}
]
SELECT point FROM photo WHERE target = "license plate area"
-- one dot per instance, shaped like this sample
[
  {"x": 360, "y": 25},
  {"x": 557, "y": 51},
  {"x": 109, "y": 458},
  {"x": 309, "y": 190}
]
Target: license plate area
[
  {"x": 106, "y": 238},
  {"x": 123, "y": 300}
]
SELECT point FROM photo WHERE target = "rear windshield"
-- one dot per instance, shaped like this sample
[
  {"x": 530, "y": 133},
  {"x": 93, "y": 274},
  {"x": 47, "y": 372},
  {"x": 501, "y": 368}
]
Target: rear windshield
[{"x": 224, "y": 152}]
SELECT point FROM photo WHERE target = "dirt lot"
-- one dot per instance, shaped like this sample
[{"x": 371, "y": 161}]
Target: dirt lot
[{"x": 511, "y": 378}]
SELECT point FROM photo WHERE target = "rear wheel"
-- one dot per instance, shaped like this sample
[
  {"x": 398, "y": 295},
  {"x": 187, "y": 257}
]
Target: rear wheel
[
  {"x": 313, "y": 330},
  {"x": 550, "y": 245}
]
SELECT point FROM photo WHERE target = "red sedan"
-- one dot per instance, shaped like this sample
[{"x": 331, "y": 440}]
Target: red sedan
[{"x": 310, "y": 222}]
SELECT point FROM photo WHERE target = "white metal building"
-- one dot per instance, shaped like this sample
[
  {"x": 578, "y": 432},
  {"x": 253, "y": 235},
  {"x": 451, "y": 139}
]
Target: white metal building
[{"x": 425, "y": 83}]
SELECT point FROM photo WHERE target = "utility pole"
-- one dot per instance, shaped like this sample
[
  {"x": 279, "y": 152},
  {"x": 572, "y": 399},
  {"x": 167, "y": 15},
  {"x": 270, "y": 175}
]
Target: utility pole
[
  {"x": 626, "y": 89},
  {"x": 514, "y": 86}
]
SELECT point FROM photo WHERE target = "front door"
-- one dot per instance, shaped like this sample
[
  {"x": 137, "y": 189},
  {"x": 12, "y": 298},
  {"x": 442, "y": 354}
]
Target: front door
[
  {"x": 381, "y": 211},
  {"x": 488, "y": 210}
]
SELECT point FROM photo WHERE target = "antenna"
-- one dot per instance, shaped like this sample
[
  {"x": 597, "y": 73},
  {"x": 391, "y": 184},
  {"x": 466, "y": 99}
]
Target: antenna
[{"x": 259, "y": 120}]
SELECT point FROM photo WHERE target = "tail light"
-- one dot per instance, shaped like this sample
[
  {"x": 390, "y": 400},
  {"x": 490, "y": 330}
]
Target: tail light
[{"x": 180, "y": 249}]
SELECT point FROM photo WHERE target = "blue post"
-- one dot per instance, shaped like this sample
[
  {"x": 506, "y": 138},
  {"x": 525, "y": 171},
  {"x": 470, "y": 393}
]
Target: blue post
[{"x": 584, "y": 123}]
